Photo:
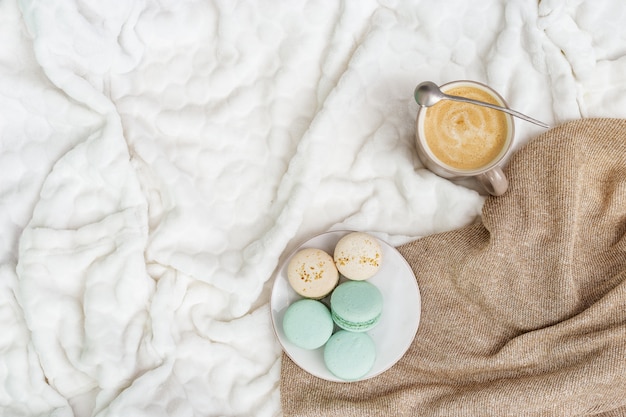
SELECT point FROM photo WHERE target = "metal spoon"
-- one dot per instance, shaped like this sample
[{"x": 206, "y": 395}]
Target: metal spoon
[{"x": 428, "y": 94}]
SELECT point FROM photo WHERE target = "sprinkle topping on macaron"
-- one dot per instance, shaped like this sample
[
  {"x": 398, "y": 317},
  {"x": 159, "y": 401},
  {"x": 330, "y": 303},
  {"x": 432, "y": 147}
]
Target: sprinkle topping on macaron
[
  {"x": 358, "y": 256},
  {"x": 312, "y": 273}
]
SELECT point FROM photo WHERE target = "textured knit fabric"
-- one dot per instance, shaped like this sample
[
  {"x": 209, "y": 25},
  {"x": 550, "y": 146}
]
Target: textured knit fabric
[{"x": 523, "y": 313}]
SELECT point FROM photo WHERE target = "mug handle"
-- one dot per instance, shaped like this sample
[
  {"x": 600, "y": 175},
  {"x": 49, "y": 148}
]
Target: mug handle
[{"x": 494, "y": 181}]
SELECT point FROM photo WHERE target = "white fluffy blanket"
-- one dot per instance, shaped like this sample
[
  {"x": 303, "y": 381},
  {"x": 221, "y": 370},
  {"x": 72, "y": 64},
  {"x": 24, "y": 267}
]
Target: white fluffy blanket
[{"x": 159, "y": 157}]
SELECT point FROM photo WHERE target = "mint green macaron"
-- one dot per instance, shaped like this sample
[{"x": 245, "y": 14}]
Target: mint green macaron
[
  {"x": 349, "y": 355},
  {"x": 356, "y": 306},
  {"x": 308, "y": 324}
]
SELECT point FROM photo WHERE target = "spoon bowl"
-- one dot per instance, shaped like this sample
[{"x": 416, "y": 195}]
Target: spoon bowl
[{"x": 428, "y": 94}]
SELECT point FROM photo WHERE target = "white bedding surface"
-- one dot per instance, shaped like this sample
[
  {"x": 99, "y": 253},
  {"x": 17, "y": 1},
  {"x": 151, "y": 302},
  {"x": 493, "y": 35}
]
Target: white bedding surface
[{"x": 159, "y": 158}]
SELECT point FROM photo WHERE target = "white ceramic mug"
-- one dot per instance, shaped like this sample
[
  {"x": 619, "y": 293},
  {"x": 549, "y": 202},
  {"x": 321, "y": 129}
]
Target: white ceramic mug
[{"x": 459, "y": 140}]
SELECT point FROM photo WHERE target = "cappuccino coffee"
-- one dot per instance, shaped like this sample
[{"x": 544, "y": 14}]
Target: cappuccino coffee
[{"x": 466, "y": 136}]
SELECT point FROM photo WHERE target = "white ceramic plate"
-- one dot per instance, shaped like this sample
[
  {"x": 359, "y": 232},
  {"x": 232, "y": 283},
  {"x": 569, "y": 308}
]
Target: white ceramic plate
[{"x": 398, "y": 323}]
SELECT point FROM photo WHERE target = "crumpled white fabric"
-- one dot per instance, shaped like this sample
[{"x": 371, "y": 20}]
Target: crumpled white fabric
[{"x": 159, "y": 158}]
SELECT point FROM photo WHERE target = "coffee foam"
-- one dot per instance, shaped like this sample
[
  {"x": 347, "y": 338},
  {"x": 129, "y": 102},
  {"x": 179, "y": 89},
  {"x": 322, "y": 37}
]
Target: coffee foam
[{"x": 465, "y": 136}]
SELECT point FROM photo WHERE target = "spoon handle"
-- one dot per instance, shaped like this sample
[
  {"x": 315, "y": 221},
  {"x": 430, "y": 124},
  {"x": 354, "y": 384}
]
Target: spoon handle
[{"x": 493, "y": 106}]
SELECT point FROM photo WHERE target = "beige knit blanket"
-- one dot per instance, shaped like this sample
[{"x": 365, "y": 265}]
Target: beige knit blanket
[{"x": 523, "y": 314}]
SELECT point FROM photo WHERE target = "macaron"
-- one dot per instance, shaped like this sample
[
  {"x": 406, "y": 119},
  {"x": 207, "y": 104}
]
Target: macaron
[
  {"x": 349, "y": 356},
  {"x": 308, "y": 324},
  {"x": 358, "y": 256},
  {"x": 312, "y": 273},
  {"x": 356, "y": 306}
]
